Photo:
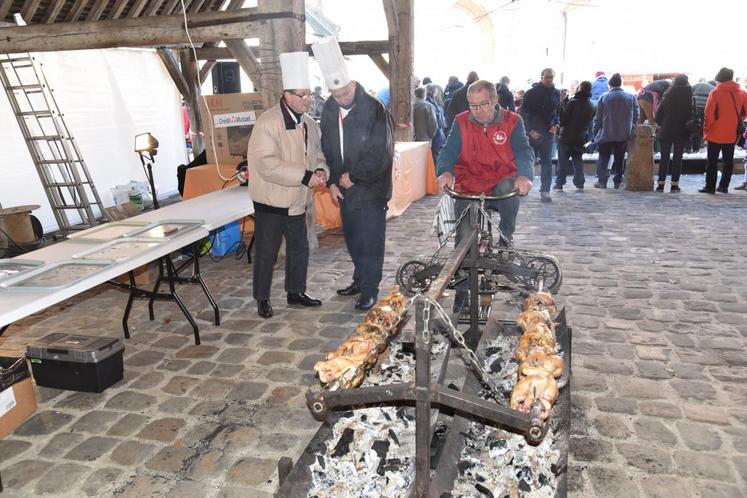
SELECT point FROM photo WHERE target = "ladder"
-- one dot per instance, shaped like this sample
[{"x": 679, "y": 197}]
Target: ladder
[{"x": 56, "y": 156}]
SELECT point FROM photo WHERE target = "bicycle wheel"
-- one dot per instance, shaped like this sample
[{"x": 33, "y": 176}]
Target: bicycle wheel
[
  {"x": 548, "y": 269},
  {"x": 407, "y": 280}
]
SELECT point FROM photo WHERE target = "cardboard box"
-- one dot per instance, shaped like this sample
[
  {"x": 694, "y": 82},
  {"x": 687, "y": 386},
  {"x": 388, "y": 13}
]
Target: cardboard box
[
  {"x": 228, "y": 121},
  {"x": 17, "y": 403}
]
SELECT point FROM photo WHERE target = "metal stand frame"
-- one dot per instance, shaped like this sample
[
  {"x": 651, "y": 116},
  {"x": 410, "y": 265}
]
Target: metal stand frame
[
  {"x": 172, "y": 277},
  {"x": 426, "y": 394}
]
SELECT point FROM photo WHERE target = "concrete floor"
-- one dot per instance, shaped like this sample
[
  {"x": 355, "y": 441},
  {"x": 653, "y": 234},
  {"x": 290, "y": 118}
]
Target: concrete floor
[{"x": 654, "y": 288}]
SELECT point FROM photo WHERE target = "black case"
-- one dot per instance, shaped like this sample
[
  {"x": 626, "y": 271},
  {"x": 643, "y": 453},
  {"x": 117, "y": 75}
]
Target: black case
[{"x": 76, "y": 362}]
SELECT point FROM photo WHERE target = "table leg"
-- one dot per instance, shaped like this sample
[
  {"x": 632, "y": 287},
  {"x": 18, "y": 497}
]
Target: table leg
[
  {"x": 151, "y": 315},
  {"x": 197, "y": 276},
  {"x": 170, "y": 270},
  {"x": 128, "y": 307}
]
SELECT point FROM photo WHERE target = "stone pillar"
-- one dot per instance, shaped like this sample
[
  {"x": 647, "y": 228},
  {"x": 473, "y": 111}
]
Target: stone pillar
[{"x": 639, "y": 171}]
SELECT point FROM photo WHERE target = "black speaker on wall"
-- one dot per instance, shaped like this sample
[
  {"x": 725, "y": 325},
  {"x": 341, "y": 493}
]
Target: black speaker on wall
[{"x": 226, "y": 78}]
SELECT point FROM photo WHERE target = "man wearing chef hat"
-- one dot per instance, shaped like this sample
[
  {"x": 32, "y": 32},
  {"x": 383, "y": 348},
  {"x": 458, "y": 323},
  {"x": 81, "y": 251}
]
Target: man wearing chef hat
[
  {"x": 358, "y": 143},
  {"x": 285, "y": 163}
]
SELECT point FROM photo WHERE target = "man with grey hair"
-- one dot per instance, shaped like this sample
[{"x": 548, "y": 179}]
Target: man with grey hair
[
  {"x": 487, "y": 152},
  {"x": 505, "y": 95},
  {"x": 423, "y": 117}
]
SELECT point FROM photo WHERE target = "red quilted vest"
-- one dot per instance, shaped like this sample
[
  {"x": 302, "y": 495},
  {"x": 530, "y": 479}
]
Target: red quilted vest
[{"x": 486, "y": 156}]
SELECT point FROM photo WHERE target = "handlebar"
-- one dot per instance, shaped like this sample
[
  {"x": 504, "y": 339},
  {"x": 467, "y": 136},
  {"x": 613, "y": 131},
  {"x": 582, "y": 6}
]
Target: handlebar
[{"x": 479, "y": 197}]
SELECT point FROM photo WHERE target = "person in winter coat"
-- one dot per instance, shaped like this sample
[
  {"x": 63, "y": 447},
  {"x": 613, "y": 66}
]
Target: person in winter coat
[
  {"x": 575, "y": 120},
  {"x": 285, "y": 165},
  {"x": 459, "y": 102},
  {"x": 614, "y": 121},
  {"x": 438, "y": 140},
  {"x": 423, "y": 117},
  {"x": 701, "y": 90},
  {"x": 505, "y": 95},
  {"x": 674, "y": 111},
  {"x": 541, "y": 118},
  {"x": 599, "y": 87},
  {"x": 649, "y": 98},
  {"x": 725, "y": 109},
  {"x": 451, "y": 86}
]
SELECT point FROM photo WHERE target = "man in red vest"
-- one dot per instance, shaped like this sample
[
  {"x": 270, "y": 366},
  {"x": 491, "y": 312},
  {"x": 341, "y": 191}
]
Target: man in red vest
[{"x": 487, "y": 152}]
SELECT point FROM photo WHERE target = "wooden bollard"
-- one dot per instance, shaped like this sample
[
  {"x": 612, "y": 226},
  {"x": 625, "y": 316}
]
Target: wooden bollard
[{"x": 639, "y": 173}]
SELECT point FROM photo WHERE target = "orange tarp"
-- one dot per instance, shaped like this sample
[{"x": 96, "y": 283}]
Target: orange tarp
[{"x": 413, "y": 176}]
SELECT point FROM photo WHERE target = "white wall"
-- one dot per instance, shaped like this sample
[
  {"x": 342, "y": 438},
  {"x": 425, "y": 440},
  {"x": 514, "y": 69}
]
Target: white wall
[{"x": 107, "y": 97}]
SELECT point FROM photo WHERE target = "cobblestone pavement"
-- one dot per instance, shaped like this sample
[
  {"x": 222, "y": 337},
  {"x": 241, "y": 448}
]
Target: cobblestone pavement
[{"x": 654, "y": 288}]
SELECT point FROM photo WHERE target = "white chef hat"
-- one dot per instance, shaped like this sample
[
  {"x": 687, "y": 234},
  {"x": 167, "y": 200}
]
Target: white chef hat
[
  {"x": 334, "y": 68},
  {"x": 295, "y": 69}
]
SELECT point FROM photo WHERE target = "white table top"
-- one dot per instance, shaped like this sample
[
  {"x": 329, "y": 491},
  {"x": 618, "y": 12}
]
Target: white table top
[{"x": 215, "y": 208}]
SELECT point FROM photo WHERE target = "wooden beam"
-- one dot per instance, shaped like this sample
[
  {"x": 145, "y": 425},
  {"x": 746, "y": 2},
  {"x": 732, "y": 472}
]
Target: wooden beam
[
  {"x": 192, "y": 77},
  {"x": 205, "y": 70},
  {"x": 381, "y": 63},
  {"x": 152, "y": 10},
  {"x": 52, "y": 11},
  {"x": 98, "y": 8},
  {"x": 348, "y": 48},
  {"x": 140, "y": 32},
  {"x": 399, "y": 17},
  {"x": 197, "y": 6},
  {"x": 172, "y": 66},
  {"x": 172, "y": 8},
  {"x": 247, "y": 60},
  {"x": 5, "y": 6},
  {"x": 137, "y": 8},
  {"x": 118, "y": 8},
  {"x": 76, "y": 10},
  {"x": 29, "y": 9}
]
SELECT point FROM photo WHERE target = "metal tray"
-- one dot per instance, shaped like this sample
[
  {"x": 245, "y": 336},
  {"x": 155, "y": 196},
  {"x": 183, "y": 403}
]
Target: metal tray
[
  {"x": 13, "y": 267},
  {"x": 119, "y": 249},
  {"x": 108, "y": 231},
  {"x": 56, "y": 275},
  {"x": 166, "y": 229}
]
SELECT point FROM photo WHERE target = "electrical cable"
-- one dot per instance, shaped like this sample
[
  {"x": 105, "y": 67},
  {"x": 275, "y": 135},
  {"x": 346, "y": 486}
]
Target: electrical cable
[{"x": 204, "y": 100}]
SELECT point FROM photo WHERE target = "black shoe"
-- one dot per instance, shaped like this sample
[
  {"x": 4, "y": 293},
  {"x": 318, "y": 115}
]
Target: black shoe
[
  {"x": 351, "y": 290},
  {"x": 660, "y": 187},
  {"x": 365, "y": 303},
  {"x": 723, "y": 190},
  {"x": 557, "y": 187},
  {"x": 617, "y": 185},
  {"x": 303, "y": 299},
  {"x": 579, "y": 187},
  {"x": 599, "y": 185},
  {"x": 674, "y": 189},
  {"x": 706, "y": 190},
  {"x": 741, "y": 187},
  {"x": 264, "y": 308}
]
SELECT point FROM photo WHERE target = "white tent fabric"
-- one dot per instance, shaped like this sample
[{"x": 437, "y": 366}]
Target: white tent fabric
[{"x": 107, "y": 97}]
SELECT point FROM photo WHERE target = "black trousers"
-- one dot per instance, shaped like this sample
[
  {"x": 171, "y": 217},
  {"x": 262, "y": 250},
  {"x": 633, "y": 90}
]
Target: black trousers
[
  {"x": 365, "y": 237},
  {"x": 666, "y": 148},
  {"x": 727, "y": 156},
  {"x": 269, "y": 230},
  {"x": 606, "y": 149}
]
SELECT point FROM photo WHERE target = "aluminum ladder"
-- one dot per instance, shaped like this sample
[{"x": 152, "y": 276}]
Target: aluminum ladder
[{"x": 57, "y": 158}]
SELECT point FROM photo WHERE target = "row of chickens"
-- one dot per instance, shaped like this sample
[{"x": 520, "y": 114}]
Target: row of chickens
[
  {"x": 349, "y": 361},
  {"x": 539, "y": 362}
]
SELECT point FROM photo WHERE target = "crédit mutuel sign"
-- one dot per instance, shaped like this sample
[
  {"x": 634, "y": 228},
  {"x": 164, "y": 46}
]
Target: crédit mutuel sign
[{"x": 234, "y": 119}]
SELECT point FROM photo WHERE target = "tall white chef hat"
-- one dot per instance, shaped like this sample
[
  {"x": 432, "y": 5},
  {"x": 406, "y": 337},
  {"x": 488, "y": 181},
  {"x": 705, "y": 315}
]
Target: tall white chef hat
[
  {"x": 329, "y": 56},
  {"x": 295, "y": 69}
]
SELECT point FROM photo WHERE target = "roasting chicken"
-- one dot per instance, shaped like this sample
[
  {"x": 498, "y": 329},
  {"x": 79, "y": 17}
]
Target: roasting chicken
[
  {"x": 539, "y": 363},
  {"x": 535, "y": 388},
  {"x": 540, "y": 301},
  {"x": 357, "y": 348},
  {"x": 528, "y": 319},
  {"x": 385, "y": 316},
  {"x": 396, "y": 300},
  {"x": 334, "y": 368}
]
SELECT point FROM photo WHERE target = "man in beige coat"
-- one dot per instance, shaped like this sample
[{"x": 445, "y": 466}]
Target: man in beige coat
[{"x": 285, "y": 164}]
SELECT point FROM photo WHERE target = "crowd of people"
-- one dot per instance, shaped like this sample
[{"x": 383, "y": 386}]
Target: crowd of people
[
  {"x": 601, "y": 115},
  {"x": 485, "y": 139}
]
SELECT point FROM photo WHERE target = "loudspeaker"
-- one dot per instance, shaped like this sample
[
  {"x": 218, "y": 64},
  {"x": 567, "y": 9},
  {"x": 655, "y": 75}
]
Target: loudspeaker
[{"x": 226, "y": 78}]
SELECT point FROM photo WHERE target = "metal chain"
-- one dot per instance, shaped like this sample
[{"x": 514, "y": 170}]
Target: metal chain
[
  {"x": 471, "y": 358},
  {"x": 426, "y": 323}
]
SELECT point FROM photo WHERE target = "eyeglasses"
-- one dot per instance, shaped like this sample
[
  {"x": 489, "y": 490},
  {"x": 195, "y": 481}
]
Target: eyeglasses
[
  {"x": 482, "y": 106},
  {"x": 300, "y": 95}
]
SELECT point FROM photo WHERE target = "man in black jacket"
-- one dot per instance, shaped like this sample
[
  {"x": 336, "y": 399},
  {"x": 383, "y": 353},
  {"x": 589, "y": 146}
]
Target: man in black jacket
[
  {"x": 575, "y": 120},
  {"x": 459, "y": 102},
  {"x": 505, "y": 95},
  {"x": 358, "y": 144}
]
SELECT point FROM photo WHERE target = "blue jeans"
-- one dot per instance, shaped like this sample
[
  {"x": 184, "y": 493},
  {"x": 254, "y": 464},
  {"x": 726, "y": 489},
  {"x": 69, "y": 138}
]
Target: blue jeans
[
  {"x": 365, "y": 237},
  {"x": 543, "y": 149},
  {"x": 575, "y": 154},
  {"x": 507, "y": 209},
  {"x": 607, "y": 149}
]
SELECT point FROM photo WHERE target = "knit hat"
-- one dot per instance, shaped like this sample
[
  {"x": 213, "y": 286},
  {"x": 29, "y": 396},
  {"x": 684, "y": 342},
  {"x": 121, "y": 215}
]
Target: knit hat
[
  {"x": 725, "y": 74},
  {"x": 681, "y": 80},
  {"x": 599, "y": 73},
  {"x": 616, "y": 80}
]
